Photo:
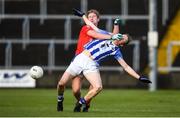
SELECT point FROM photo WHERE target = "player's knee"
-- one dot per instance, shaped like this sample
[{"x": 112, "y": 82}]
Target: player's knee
[
  {"x": 98, "y": 89},
  {"x": 61, "y": 84}
]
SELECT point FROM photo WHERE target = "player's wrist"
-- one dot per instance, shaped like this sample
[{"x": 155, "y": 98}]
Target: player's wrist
[
  {"x": 84, "y": 16},
  {"x": 117, "y": 36},
  {"x": 117, "y": 22}
]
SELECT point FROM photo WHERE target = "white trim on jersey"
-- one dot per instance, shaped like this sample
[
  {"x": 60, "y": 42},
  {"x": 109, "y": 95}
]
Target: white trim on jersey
[{"x": 101, "y": 49}]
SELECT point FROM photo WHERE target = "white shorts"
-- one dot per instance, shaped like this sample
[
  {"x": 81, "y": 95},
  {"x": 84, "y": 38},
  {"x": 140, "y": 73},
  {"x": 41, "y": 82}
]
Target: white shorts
[{"x": 82, "y": 63}]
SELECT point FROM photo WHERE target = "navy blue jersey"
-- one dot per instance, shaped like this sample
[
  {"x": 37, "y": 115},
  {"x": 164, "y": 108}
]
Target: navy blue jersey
[{"x": 101, "y": 49}]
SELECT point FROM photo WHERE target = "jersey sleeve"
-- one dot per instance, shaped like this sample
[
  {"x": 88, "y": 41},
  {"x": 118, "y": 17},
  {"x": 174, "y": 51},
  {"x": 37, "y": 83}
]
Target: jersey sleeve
[
  {"x": 86, "y": 29},
  {"x": 103, "y": 31},
  {"x": 118, "y": 54}
]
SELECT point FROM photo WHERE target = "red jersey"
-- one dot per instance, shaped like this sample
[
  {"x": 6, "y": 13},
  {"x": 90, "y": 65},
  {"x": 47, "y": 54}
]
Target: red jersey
[{"x": 84, "y": 38}]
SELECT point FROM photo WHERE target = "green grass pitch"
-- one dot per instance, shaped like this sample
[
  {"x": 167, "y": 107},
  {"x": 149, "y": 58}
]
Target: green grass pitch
[{"x": 109, "y": 103}]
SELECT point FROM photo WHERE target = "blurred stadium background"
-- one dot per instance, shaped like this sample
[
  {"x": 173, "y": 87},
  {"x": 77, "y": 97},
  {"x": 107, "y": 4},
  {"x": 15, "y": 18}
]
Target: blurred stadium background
[{"x": 44, "y": 33}]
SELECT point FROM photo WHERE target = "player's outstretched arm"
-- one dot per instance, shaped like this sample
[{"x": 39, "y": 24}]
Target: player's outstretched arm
[
  {"x": 79, "y": 13},
  {"x": 117, "y": 21},
  {"x": 130, "y": 71}
]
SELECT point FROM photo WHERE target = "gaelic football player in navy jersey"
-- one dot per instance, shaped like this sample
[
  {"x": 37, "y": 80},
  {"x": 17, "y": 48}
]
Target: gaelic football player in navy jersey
[{"x": 88, "y": 62}]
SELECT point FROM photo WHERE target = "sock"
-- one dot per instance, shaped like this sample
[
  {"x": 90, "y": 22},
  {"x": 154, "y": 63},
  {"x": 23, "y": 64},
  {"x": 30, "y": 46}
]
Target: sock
[
  {"x": 82, "y": 101},
  {"x": 60, "y": 98}
]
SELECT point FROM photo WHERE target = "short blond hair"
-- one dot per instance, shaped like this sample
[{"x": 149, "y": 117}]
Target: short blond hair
[{"x": 93, "y": 11}]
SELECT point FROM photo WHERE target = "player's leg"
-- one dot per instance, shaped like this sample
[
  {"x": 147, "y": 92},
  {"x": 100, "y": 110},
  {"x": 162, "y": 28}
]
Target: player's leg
[
  {"x": 85, "y": 109},
  {"x": 76, "y": 88},
  {"x": 62, "y": 82},
  {"x": 60, "y": 88},
  {"x": 95, "y": 80},
  {"x": 72, "y": 71}
]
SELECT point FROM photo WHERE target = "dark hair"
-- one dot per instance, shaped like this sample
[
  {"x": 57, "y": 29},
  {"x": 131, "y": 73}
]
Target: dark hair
[{"x": 93, "y": 11}]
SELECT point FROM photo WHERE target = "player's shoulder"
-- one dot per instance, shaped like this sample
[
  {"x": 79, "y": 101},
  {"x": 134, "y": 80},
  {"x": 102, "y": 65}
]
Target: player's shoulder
[{"x": 86, "y": 27}]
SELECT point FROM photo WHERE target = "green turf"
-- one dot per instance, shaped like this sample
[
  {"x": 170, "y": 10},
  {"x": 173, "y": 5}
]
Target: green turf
[{"x": 42, "y": 102}]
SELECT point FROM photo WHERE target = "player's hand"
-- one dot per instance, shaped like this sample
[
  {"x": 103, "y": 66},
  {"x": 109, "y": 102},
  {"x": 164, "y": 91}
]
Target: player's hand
[
  {"x": 117, "y": 36},
  {"x": 144, "y": 80},
  {"x": 117, "y": 21},
  {"x": 77, "y": 12}
]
